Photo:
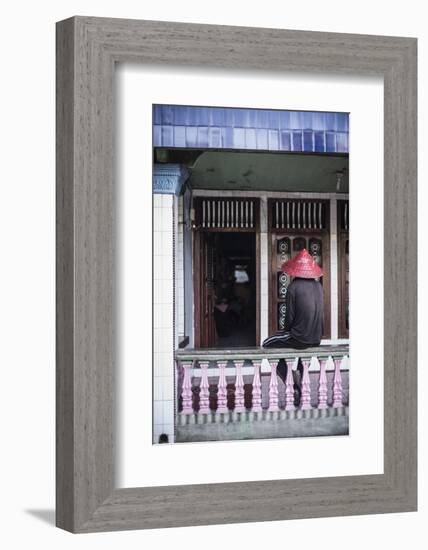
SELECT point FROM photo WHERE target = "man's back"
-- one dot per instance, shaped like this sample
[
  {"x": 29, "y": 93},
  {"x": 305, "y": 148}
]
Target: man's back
[{"x": 305, "y": 310}]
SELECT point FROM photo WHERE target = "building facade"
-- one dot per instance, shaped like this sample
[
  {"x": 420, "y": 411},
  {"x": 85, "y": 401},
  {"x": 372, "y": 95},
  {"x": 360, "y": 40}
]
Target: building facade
[{"x": 236, "y": 193}]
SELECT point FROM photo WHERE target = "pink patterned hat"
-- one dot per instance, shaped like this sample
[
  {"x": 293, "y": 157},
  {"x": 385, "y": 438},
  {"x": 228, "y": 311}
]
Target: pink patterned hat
[{"x": 302, "y": 265}]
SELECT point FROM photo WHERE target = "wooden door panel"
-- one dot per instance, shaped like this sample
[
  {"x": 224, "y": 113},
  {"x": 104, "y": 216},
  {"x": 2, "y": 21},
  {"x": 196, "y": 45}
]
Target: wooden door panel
[
  {"x": 214, "y": 216},
  {"x": 208, "y": 333},
  {"x": 294, "y": 225},
  {"x": 343, "y": 265}
]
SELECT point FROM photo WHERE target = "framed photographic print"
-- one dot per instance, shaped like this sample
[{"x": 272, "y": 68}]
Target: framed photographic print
[{"x": 210, "y": 303}]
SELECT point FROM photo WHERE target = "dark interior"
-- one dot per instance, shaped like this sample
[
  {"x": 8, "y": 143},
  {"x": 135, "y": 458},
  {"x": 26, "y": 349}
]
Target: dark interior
[{"x": 235, "y": 289}]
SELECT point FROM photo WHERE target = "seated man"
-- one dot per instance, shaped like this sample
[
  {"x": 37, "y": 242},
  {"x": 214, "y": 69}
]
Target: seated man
[
  {"x": 304, "y": 305},
  {"x": 304, "y": 314}
]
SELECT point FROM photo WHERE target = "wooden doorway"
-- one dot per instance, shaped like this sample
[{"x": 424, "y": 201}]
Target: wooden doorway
[
  {"x": 343, "y": 266},
  {"x": 226, "y": 273},
  {"x": 295, "y": 224}
]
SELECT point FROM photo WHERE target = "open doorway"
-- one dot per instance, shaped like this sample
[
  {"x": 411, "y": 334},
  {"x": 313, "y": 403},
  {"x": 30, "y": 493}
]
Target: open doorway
[
  {"x": 235, "y": 290},
  {"x": 228, "y": 286}
]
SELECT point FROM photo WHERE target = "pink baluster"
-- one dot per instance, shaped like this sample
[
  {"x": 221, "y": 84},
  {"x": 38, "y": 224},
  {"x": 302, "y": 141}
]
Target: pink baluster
[
  {"x": 187, "y": 388},
  {"x": 273, "y": 387},
  {"x": 239, "y": 388},
  {"x": 257, "y": 388},
  {"x": 204, "y": 394},
  {"x": 337, "y": 385},
  {"x": 322, "y": 387},
  {"x": 289, "y": 388},
  {"x": 305, "y": 401},
  {"x": 222, "y": 389}
]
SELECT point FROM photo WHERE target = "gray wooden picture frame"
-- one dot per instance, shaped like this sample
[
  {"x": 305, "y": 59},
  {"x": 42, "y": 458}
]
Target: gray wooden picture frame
[{"x": 87, "y": 50}]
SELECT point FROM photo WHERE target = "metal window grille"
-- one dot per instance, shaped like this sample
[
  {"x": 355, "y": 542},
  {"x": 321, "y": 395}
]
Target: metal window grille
[
  {"x": 298, "y": 214},
  {"x": 213, "y": 213}
]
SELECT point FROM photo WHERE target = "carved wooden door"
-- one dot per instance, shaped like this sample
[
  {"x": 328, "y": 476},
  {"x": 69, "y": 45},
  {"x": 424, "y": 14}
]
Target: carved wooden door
[
  {"x": 207, "y": 332},
  {"x": 343, "y": 261},
  {"x": 294, "y": 225}
]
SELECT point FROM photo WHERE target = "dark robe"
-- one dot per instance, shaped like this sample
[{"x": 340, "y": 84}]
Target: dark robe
[{"x": 305, "y": 311}]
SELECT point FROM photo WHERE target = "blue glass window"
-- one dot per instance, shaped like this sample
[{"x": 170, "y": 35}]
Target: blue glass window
[{"x": 297, "y": 141}]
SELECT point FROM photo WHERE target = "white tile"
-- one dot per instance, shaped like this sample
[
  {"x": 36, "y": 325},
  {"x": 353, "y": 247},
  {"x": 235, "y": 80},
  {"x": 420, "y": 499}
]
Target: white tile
[
  {"x": 158, "y": 429},
  {"x": 157, "y": 243},
  {"x": 169, "y": 430},
  {"x": 168, "y": 388},
  {"x": 168, "y": 412},
  {"x": 157, "y": 388},
  {"x": 168, "y": 336},
  {"x": 166, "y": 223},
  {"x": 157, "y": 200},
  {"x": 165, "y": 364},
  {"x": 157, "y": 267},
  {"x": 157, "y": 316},
  {"x": 167, "y": 268},
  {"x": 167, "y": 316},
  {"x": 163, "y": 293},
  {"x": 167, "y": 201},
  {"x": 163, "y": 339},
  {"x": 157, "y": 340},
  {"x": 167, "y": 296},
  {"x": 158, "y": 412},
  {"x": 157, "y": 365},
  {"x": 157, "y": 219},
  {"x": 167, "y": 248},
  {"x": 157, "y": 291}
]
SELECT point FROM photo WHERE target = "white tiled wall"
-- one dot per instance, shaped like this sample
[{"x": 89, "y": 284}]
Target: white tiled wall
[
  {"x": 163, "y": 317},
  {"x": 179, "y": 271}
]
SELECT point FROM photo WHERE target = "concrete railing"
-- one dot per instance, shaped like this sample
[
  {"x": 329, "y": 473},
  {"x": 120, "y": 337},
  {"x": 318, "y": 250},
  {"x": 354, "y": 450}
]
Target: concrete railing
[{"x": 226, "y": 385}]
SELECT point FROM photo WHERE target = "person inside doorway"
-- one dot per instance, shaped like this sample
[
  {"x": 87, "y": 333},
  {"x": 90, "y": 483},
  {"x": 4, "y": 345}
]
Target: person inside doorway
[
  {"x": 304, "y": 305},
  {"x": 304, "y": 314}
]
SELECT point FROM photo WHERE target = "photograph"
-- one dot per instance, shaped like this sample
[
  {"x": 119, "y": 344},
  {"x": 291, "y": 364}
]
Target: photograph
[
  {"x": 254, "y": 204},
  {"x": 180, "y": 300}
]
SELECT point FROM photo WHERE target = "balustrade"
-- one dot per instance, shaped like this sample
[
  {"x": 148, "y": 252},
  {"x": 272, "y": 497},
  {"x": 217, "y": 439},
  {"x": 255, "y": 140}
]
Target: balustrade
[{"x": 223, "y": 385}]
